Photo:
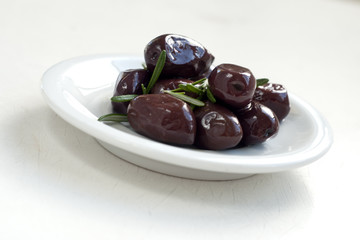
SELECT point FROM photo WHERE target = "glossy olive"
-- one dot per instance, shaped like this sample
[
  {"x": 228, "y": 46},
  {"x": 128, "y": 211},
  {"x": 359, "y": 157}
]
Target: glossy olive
[
  {"x": 217, "y": 127},
  {"x": 275, "y": 97},
  {"x": 232, "y": 84},
  {"x": 184, "y": 56},
  {"x": 129, "y": 82},
  {"x": 258, "y": 122},
  {"x": 163, "y": 118}
]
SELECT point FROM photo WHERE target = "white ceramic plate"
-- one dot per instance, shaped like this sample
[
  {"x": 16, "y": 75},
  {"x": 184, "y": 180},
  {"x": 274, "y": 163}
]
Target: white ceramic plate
[{"x": 79, "y": 91}]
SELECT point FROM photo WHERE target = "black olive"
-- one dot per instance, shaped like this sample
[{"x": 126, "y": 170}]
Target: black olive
[
  {"x": 163, "y": 118},
  {"x": 217, "y": 127},
  {"x": 184, "y": 56},
  {"x": 258, "y": 122},
  {"x": 232, "y": 84},
  {"x": 129, "y": 82},
  {"x": 275, "y": 97}
]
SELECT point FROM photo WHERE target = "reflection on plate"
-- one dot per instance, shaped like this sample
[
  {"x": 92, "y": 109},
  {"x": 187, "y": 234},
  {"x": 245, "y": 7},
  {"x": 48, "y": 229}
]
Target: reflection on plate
[{"x": 79, "y": 91}]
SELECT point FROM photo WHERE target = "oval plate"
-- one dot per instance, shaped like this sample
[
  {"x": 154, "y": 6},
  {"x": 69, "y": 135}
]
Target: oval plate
[{"x": 79, "y": 90}]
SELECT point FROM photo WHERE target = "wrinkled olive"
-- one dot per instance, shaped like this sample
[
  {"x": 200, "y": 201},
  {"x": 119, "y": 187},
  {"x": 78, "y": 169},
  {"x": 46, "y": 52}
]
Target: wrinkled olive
[
  {"x": 275, "y": 97},
  {"x": 217, "y": 127},
  {"x": 258, "y": 122},
  {"x": 184, "y": 57},
  {"x": 232, "y": 84},
  {"x": 163, "y": 118},
  {"x": 129, "y": 82}
]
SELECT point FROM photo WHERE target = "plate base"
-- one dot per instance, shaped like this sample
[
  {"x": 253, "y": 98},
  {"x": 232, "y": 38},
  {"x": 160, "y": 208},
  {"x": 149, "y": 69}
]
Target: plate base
[{"x": 172, "y": 170}]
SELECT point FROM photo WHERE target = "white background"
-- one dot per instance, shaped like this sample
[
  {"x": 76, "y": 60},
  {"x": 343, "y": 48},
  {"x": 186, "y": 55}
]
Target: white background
[{"x": 58, "y": 183}]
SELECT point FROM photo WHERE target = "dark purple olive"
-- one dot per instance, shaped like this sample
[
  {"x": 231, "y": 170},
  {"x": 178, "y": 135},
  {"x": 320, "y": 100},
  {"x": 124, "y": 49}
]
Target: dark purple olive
[
  {"x": 163, "y": 118},
  {"x": 184, "y": 57},
  {"x": 217, "y": 127},
  {"x": 129, "y": 82},
  {"x": 275, "y": 97},
  {"x": 168, "y": 84},
  {"x": 258, "y": 122},
  {"x": 232, "y": 84}
]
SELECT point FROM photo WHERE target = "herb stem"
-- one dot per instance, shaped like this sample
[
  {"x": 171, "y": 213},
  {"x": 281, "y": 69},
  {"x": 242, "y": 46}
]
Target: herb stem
[
  {"x": 210, "y": 96},
  {"x": 199, "y": 81},
  {"x": 157, "y": 71},
  {"x": 186, "y": 98},
  {"x": 113, "y": 117},
  {"x": 124, "y": 98}
]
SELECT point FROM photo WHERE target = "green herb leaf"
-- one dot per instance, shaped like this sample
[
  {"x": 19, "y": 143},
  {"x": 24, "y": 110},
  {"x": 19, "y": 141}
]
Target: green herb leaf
[
  {"x": 261, "y": 81},
  {"x": 143, "y": 88},
  {"x": 144, "y": 66},
  {"x": 113, "y": 117},
  {"x": 193, "y": 89},
  {"x": 189, "y": 88},
  {"x": 124, "y": 98},
  {"x": 210, "y": 96},
  {"x": 157, "y": 71},
  {"x": 186, "y": 98},
  {"x": 177, "y": 90},
  {"x": 184, "y": 87},
  {"x": 199, "y": 81}
]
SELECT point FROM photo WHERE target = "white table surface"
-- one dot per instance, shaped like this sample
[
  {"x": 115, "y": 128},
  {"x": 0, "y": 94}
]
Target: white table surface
[{"x": 57, "y": 183}]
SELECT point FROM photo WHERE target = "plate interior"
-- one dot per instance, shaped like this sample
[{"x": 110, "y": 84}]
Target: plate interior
[{"x": 80, "y": 90}]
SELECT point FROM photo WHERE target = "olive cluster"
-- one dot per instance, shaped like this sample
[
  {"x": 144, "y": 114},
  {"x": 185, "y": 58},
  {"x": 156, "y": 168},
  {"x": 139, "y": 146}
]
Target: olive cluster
[{"x": 238, "y": 113}]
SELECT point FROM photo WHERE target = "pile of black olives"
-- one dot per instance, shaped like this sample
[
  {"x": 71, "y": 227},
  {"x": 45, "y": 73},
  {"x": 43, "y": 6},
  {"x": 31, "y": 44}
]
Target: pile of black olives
[{"x": 179, "y": 98}]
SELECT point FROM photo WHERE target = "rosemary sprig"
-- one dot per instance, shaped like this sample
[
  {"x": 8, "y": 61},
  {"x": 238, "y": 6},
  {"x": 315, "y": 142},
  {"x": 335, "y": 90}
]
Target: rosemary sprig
[
  {"x": 186, "y": 98},
  {"x": 143, "y": 88},
  {"x": 182, "y": 87},
  {"x": 113, "y": 117},
  {"x": 124, "y": 98},
  {"x": 190, "y": 88},
  {"x": 199, "y": 87},
  {"x": 156, "y": 73},
  {"x": 210, "y": 96},
  {"x": 261, "y": 81},
  {"x": 202, "y": 80}
]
